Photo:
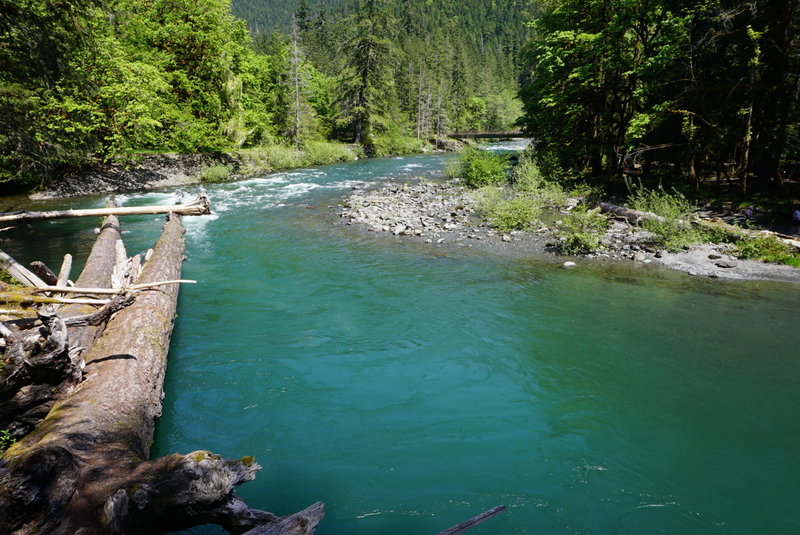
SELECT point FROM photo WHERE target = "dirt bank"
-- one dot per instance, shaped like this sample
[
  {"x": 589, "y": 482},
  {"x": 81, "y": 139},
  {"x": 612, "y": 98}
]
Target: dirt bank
[{"x": 151, "y": 171}]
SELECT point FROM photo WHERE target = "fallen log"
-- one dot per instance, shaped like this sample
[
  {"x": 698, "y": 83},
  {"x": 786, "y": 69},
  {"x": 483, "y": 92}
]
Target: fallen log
[
  {"x": 32, "y": 402},
  {"x": 66, "y": 269},
  {"x": 738, "y": 231},
  {"x": 25, "y": 299},
  {"x": 303, "y": 523},
  {"x": 629, "y": 214},
  {"x": 200, "y": 206},
  {"x": 84, "y": 469},
  {"x": 636, "y": 216}
]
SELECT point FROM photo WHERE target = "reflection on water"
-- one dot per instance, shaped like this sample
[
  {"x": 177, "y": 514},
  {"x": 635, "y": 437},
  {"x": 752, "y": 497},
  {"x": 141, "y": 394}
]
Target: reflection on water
[{"x": 410, "y": 387}]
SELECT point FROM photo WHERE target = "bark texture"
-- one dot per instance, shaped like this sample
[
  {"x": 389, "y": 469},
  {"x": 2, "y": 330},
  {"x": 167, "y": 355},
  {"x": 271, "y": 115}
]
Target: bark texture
[{"x": 34, "y": 373}]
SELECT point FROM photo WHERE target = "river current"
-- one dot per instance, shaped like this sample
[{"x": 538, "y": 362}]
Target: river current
[{"x": 411, "y": 386}]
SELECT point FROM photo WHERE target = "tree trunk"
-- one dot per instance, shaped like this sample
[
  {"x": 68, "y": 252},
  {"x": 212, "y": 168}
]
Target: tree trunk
[
  {"x": 84, "y": 469},
  {"x": 34, "y": 377}
]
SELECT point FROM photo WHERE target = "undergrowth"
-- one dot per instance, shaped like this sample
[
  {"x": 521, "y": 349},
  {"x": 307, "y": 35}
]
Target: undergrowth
[
  {"x": 215, "y": 173},
  {"x": 516, "y": 212},
  {"x": 675, "y": 232},
  {"x": 767, "y": 249},
  {"x": 582, "y": 231},
  {"x": 6, "y": 440},
  {"x": 479, "y": 168}
]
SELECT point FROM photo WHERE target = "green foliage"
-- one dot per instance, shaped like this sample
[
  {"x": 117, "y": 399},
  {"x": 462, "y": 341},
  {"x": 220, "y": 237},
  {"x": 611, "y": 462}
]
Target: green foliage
[
  {"x": 215, "y": 173},
  {"x": 582, "y": 231},
  {"x": 519, "y": 212},
  {"x": 478, "y": 168},
  {"x": 6, "y": 439},
  {"x": 673, "y": 205},
  {"x": 527, "y": 178},
  {"x": 271, "y": 158},
  {"x": 712, "y": 83},
  {"x": 7, "y": 278},
  {"x": 320, "y": 152},
  {"x": 767, "y": 249},
  {"x": 675, "y": 232},
  {"x": 389, "y": 144}
]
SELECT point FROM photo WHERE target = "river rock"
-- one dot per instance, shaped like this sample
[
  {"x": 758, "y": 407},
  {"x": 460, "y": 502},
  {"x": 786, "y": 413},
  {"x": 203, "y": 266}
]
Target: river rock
[
  {"x": 726, "y": 264},
  {"x": 567, "y": 265}
]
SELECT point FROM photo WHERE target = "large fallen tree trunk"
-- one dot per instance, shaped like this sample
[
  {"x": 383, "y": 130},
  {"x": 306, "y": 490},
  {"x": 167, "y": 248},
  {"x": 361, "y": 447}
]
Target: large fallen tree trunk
[
  {"x": 84, "y": 469},
  {"x": 199, "y": 206},
  {"x": 38, "y": 371}
]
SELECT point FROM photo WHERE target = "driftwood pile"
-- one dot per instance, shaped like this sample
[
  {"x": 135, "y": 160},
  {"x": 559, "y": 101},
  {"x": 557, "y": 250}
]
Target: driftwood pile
[{"x": 81, "y": 388}]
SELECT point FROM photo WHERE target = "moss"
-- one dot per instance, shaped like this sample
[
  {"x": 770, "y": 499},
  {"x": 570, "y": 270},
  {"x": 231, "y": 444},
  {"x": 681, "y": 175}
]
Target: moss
[
  {"x": 6, "y": 277},
  {"x": 248, "y": 461}
]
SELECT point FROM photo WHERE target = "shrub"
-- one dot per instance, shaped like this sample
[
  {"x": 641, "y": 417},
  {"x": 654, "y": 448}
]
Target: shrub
[
  {"x": 528, "y": 179},
  {"x": 393, "y": 144},
  {"x": 7, "y": 278},
  {"x": 478, "y": 168},
  {"x": 582, "y": 231},
  {"x": 670, "y": 205},
  {"x": 215, "y": 173},
  {"x": 518, "y": 213},
  {"x": 675, "y": 232}
]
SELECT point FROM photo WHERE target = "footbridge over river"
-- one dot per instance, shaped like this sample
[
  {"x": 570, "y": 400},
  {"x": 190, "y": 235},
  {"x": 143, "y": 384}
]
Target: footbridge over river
[{"x": 515, "y": 134}]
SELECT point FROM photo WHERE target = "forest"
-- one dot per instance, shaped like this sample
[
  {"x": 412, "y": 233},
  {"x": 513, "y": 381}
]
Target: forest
[
  {"x": 685, "y": 90},
  {"x": 703, "y": 88},
  {"x": 85, "y": 82}
]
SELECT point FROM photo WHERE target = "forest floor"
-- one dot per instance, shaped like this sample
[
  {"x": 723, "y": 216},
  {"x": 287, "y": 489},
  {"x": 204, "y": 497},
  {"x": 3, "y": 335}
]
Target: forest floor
[{"x": 442, "y": 213}]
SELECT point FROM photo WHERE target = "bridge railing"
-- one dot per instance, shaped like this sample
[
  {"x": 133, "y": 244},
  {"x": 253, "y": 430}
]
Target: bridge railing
[{"x": 485, "y": 135}]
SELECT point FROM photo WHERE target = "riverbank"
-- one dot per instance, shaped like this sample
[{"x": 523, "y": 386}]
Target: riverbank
[
  {"x": 154, "y": 171},
  {"x": 443, "y": 212}
]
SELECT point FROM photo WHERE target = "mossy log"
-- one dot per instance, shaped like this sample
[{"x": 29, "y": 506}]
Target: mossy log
[
  {"x": 85, "y": 468},
  {"x": 34, "y": 375}
]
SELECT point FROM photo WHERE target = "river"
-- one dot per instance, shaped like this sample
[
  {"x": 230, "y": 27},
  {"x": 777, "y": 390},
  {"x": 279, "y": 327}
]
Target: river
[{"x": 411, "y": 386}]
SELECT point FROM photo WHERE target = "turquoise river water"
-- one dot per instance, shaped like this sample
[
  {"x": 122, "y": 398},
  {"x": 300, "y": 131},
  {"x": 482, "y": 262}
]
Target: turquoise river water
[{"x": 412, "y": 386}]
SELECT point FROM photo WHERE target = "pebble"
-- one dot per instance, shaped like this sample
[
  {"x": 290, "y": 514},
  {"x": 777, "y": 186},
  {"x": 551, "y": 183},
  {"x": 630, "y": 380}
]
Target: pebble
[{"x": 568, "y": 265}]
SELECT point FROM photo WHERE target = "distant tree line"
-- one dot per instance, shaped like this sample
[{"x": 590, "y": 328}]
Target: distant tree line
[{"x": 83, "y": 81}]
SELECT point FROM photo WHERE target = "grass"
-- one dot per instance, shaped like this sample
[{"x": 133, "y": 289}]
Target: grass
[
  {"x": 270, "y": 158},
  {"x": 675, "y": 232},
  {"x": 767, "y": 249},
  {"x": 393, "y": 144},
  {"x": 215, "y": 173}
]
